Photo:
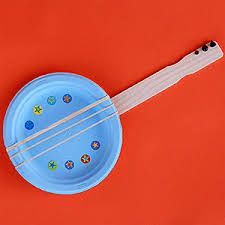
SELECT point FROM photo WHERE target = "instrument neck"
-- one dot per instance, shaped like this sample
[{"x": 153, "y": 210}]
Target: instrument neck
[{"x": 167, "y": 77}]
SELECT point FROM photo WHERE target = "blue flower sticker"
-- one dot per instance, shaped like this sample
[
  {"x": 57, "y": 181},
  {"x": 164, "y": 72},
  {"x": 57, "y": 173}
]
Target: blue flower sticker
[
  {"x": 29, "y": 125},
  {"x": 67, "y": 98},
  {"x": 69, "y": 164},
  {"x": 95, "y": 145},
  {"x": 51, "y": 100}
]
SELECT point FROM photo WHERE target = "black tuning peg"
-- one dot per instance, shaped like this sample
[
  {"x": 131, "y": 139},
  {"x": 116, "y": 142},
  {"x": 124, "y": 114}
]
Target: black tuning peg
[
  {"x": 204, "y": 48},
  {"x": 212, "y": 44},
  {"x": 196, "y": 52}
]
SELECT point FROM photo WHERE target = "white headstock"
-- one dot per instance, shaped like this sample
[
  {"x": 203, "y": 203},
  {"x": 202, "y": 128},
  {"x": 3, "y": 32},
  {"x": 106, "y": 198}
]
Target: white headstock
[{"x": 200, "y": 58}]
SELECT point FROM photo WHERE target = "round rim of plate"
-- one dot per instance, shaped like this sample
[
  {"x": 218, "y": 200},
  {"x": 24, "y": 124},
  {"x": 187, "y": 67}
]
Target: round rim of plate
[{"x": 24, "y": 171}]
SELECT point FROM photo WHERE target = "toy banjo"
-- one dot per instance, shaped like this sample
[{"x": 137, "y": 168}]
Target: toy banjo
[{"x": 62, "y": 131}]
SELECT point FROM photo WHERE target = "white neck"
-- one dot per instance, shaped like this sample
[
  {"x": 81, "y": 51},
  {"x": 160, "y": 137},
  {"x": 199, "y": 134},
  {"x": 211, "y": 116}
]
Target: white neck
[{"x": 166, "y": 77}]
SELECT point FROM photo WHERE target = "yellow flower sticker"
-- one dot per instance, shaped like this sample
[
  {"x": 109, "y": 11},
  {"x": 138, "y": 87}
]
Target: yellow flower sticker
[{"x": 38, "y": 109}]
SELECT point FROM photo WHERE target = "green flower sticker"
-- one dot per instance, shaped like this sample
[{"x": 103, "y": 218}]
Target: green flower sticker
[{"x": 52, "y": 165}]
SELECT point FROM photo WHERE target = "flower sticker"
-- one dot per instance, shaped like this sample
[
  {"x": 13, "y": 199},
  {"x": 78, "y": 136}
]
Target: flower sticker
[
  {"x": 51, "y": 100},
  {"x": 67, "y": 98},
  {"x": 69, "y": 164},
  {"x": 85, "y": 158},
  {"x": 37, "y": 109},
  {"x": 29, "y": 125},
  {"x": 95, "y": 145},
  {"x": 52, "y": 165}
]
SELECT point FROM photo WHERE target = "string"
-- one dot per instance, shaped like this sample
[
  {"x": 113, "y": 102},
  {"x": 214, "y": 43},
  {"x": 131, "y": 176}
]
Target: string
[
  {"x": 63, "y": 120},
  {"x": 65, "y": 140},
  {"x": 59, "y": 132},
  {"x": 186, "y": 66}
]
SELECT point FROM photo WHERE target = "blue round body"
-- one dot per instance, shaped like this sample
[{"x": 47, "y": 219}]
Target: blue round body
[{"x": 62, "y": 133}]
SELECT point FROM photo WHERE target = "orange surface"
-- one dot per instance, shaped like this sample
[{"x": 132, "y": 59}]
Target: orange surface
[{"x": 172, "y": 166}]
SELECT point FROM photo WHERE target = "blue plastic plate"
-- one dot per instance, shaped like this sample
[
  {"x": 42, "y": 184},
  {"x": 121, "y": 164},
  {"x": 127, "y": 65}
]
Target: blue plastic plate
[{"x": 76, "y": 154}]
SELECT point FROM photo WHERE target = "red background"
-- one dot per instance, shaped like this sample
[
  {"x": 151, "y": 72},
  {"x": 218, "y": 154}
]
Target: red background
[{"x": 172, "y": 166}]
